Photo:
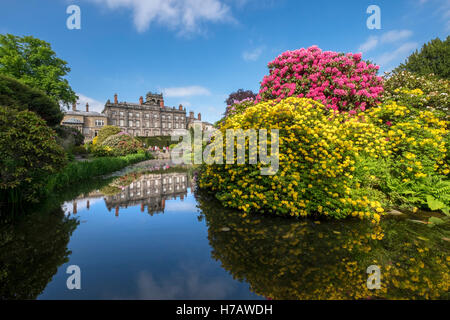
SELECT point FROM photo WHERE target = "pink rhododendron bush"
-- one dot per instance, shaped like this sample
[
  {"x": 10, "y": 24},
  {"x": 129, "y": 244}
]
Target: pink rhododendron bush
[{"x": 342, "y": 82}]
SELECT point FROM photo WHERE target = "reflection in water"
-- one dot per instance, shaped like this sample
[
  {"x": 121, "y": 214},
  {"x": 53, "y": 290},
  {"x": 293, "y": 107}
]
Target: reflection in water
[
  {"x": 31, "y": 250},
  {"x": 168, "y": 256},
  {"x": 291, "y": 259},
  {"x": 150, "y": 190}
]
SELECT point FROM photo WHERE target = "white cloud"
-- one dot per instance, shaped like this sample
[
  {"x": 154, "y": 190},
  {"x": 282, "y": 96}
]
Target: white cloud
[
  {"x": 402, "y": 52},
  {"x": 185, "y": 16},
  {"x": 186, "y": 91},
  {"x": 94, "y": 105},
  {"x": 395, "y": 36},
  {"x": 370, "y": 44},
  {"x": 252, "y": 55}
]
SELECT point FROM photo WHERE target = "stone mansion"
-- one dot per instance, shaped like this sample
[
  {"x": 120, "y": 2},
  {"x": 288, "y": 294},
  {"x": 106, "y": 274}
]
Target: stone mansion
[{"x": 149, "y": 118}]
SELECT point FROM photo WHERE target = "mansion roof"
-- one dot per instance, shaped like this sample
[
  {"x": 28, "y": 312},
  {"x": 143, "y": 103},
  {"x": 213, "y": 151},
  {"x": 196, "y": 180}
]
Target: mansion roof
[
  {"x": 144, "y": 106},
  {"x": 84, "y": 113}
]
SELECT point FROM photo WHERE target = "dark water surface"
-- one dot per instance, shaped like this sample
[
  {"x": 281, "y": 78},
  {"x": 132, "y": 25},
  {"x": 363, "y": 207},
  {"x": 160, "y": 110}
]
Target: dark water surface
[{"x": 146, "y": 235}]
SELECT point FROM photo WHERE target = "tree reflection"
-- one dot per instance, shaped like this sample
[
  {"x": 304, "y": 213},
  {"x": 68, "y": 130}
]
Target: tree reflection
[
  {"x": 31, "y": 250},
  {"x": 301, "y": 259}
]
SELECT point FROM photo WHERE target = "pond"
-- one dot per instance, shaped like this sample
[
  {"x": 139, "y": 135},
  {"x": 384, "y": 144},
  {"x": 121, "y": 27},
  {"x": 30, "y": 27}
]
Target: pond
[{"x": 145, "y": 233}]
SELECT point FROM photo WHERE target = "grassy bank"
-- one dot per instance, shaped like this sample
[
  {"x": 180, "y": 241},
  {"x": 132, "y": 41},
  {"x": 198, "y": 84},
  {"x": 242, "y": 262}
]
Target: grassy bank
[{"x": 78, "y": 171}]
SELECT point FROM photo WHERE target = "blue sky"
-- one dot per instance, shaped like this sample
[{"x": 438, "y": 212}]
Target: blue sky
[{"x": 198, "y": 51}]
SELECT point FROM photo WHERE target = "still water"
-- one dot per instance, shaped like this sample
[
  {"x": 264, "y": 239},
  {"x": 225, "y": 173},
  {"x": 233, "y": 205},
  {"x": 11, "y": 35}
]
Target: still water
[{"x": 145, "y": 234}]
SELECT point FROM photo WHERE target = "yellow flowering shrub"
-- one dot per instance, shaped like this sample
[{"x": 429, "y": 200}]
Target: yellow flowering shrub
[
  {"x": 416, "y": 140},
  {"x": 317, "y": 157}
]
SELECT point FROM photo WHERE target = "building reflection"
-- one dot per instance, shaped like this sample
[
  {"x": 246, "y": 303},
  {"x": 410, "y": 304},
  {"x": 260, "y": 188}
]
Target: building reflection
[{"x": 148, "y": 191}]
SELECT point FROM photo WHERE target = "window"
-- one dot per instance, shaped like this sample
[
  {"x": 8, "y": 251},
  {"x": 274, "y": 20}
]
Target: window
[
  {"x": 130, "y": 123},
  {"x": 138, "y": 123},
  {"x": 147, "y": 124},
  {"x": 137, "y": 115},
  {"x": 121, "y": 123},
  {"x": 130, "y": 115},
  {"x": 170, "y": 125},
  {"x": 176, "y": 125},
  {"x": 121, "y": 113},
  {"x": 147, "y": 115},
  {"x": 113, "y": 122},
  {"x": 99, "y": 123},
  {"x": 164, "y": 125}
]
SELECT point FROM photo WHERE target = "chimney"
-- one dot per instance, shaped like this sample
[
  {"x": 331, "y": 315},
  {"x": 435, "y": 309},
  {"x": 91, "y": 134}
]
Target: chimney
[
  {"x": 74, "y": 106},
  {"x": 115, "y": 99},
  {"x": 87, "y": 107},
  {"x": 141, "y": 100},
  {"x": 142, "y": 207},
  {"x": 180, "y": 107},
  {"x": 117, "y": 211},
  {"x": 191, "y": 114},
  {"x": 199, "y": 116},
  {"x": 163, "y": 204},
  {"x": 161, "y": 103}
]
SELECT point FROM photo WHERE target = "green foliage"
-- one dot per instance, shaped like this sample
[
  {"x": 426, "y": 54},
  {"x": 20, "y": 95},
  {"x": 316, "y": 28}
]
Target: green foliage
[
  {"x": 28, "y": 154},
  {"x": 159, "y": 141},
  {"x": 66, "y": 132},
  {"x": 106, "y": 132},
  {"x": 14, "y": 93},
  {"x": 433, "y": 58},
  {"x": 420, "y": 92},
  {"x": 79, "y": 171},
  {"x": 32, "y": 250},
  {"x": 33, "y": 61}
]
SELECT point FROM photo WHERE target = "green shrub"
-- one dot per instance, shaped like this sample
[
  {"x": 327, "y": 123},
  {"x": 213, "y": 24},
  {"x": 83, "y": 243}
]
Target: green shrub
[
  {"x": 14, "y": 93},
  {"x": 120, "y": 144},
  {"x": 28, "y": 154},
  {"x": 106, "y": 132},
  {"x": 78, "y": 171},
  {"x": 159, "y": 141},
  {"x": 79, "y": 150},
  {"x": 421, "y": 92}
]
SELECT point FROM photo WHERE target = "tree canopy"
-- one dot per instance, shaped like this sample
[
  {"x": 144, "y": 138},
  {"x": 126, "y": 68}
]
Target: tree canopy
[
  {"x": 33, "y": 62},
  {"x": 239, "y": 95},
  {"x": 433, "y": 58},
  {"x": 15, "y": 94}
]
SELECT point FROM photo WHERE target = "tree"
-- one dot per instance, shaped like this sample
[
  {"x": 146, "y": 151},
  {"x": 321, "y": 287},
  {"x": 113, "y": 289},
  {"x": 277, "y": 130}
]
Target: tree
[
  {"x": 240, "y": 95},
  {"x": 29, "y": 153},
  {"x": 433, "y": 58},
  {"x": 15, "y": 94},
  {"x": 33, "y": 61}
]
